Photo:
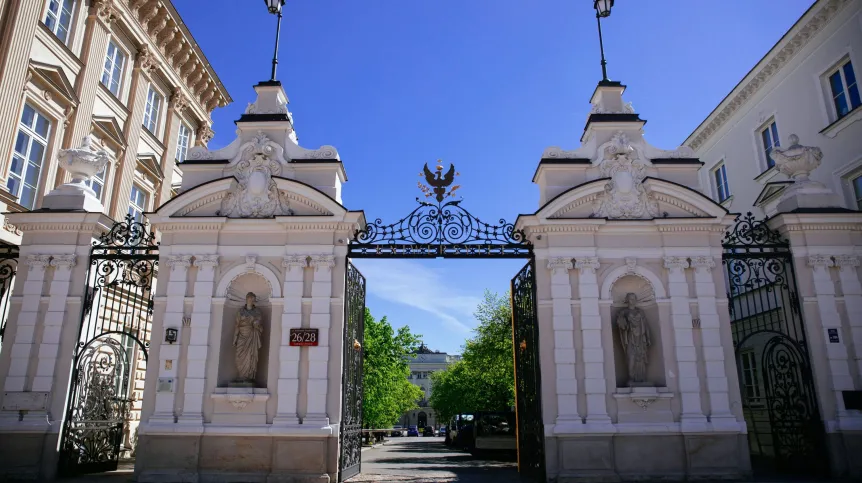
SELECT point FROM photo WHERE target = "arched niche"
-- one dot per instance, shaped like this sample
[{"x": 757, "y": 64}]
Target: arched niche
[
  {"x": 646, "y": 295},
  {"x": 235, "y": 293}
]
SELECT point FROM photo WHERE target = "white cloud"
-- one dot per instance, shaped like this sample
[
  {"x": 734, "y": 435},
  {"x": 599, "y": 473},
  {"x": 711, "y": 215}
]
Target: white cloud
[{"x": 415, "y": 285}]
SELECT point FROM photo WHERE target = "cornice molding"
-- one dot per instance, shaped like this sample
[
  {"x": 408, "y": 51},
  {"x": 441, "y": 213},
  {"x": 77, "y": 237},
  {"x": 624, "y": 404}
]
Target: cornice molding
[{"x": 763, "y": 73}]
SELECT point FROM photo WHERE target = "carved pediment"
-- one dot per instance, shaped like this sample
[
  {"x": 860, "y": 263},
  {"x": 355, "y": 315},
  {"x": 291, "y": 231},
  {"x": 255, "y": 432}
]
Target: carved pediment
[
  {"x": 54, "y": 80},
  {"x": 108, "y": 127}
]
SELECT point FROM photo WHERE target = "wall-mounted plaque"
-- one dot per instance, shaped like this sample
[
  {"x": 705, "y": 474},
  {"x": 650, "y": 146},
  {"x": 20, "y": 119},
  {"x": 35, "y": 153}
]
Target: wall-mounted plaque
[
  {"x": 304, "y": 337},
  {"x": 833, "y": 336},
  {"x": 25, "y": 401},
  {"x": 166, "y": 384}
]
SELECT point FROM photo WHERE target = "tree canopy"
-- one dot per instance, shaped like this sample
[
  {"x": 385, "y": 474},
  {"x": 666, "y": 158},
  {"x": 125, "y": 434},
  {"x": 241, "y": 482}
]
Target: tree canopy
[
  {"x": 387, "y": 392},
  {"x": 484, "y": 378}
]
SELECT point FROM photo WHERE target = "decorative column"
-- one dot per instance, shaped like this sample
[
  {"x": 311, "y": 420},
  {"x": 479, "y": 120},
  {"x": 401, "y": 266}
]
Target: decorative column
[
  {"x": 692, "y": 417},
  {"x": 145, "y": 64},
  {"x": 25, "y": 333},
  {"x": 851, "y": 288},
  {"x": 595, "y": 385},
  {"x": 288, "y": 360},
  {"x": 49, "y": 347},
  {"x": 713, "y": 351},
  {"x": 178, "y": 104},
  {"x": 318, "y": 357},
  {"x": 196, "y": 358},
  {"x": 169, "y": 354},
  {"x": 836, "y": 350},
  {"x": 564, "y": 341},
  {"x": 21, "y": 20}
]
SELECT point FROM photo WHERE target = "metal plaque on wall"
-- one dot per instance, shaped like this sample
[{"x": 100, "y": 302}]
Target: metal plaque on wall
[
  {"x": 304, "y": 337},
  {"x": 25, "y": 401}
]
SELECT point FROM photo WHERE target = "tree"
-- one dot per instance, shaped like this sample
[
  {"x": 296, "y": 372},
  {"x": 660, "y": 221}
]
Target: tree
[
  {"x": 387, "y": 392},
  {"x": 484, "y": 378}
]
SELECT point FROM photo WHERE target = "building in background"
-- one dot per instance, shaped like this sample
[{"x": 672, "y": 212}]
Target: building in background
[
  {"x": 129, "y": 74},
  {"x": 422, "y": 364},
  {"x": 805, "y": 85}
]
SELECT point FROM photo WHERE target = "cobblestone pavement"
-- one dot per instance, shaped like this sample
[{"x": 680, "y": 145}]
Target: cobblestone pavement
[{"x": 428, "y": 460}]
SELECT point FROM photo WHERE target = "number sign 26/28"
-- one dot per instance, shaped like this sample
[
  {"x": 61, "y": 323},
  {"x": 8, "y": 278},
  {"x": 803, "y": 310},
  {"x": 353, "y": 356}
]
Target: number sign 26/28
[{"x": 303, "y": 337}]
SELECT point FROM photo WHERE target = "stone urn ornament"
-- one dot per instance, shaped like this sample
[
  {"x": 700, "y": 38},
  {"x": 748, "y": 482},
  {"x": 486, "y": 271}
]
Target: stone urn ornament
[
  {"x": 82, "y": 163},
  {"x": 797, "y": 161}
]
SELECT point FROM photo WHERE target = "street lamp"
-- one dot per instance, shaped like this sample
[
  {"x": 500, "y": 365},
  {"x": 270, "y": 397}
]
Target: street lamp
[
  {"x": 274, "y": 7},
  {"x": 603, "y": 10}
]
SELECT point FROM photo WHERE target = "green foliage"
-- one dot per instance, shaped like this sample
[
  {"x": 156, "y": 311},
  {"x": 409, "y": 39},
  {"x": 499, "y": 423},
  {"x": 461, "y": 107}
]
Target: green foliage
[
  {"x": 387, "y": 392},
  {"x": 484, "y": 378}
]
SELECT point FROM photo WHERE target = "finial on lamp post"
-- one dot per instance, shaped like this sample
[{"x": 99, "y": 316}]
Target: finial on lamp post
[
  {"x": 275, "y": 7},
  {"x": 603, "y": 10}
]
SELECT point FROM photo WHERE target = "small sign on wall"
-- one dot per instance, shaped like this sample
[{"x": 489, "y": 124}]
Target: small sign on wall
[
  {"x": 833, "y": 336},
  {"x": 304, "y": 337},
  {"x": 25, "y": 401},
  {"x": 166, "y": 384}
]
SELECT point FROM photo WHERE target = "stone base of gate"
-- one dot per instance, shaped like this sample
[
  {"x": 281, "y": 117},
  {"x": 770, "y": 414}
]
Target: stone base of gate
[
  {"x": 640, "y": 457},
  {"x": 28, "y": 455},
  {"x": 844, "y": 448},
  {"x": 227, "y": 458}
]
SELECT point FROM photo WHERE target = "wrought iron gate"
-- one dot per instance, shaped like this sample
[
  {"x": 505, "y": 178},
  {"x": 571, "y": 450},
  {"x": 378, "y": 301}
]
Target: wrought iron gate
[
  {"x": 528, "y": 386},
  {"x": 112, "y": 348},
  {"x": 779, "y": 400},
  {"x": 350, "y": 440},
  {"x": 8, "y": 270}
]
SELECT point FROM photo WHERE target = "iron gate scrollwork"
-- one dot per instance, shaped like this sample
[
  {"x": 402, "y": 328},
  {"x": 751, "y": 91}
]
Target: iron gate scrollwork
[
  {"x": 111, "y": 352},
  {"x": 528, "y": 390},
  {"x": 350, "y": 461},
  {"x": 785, "y": 431},
  {"x": 8, "y": 270}
]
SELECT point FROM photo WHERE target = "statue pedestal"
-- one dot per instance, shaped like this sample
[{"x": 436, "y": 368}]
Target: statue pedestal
[
  {"x": 805, "y": 195},
  {"x": 644, "y": 404},
  {"x": 240, "y": 404}
]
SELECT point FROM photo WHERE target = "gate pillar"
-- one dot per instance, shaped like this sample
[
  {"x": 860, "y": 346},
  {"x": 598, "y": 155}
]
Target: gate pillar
[
  {"x": 826, "y": 248},
  {"x": 41, "y": 332}
]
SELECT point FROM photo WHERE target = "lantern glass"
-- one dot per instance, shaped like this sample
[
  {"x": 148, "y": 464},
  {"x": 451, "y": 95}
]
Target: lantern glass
[
  {"x": 170, "y": 335},
  {"x": 603, "y": 7},
  {"x": 274, "y": 6}
]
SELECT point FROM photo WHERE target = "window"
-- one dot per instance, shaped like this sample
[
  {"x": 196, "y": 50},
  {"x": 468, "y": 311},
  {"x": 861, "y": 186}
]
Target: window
[
  {"x": 28, "y": 156},
  {"x": 183, "y": 141},
  {"x": 112, "y": 75},
  {"x": 97, "y": 183},
  {"x": 137, "y": 203},
  {"x": 58, "y": 18},
  {"x": 722, "y": 189},
  {"x": 769, "y": 136},
  {"x": 750, "y": 380},
  {"x": 845, "y": 90},
  {"x": 857, "y": 192},
  {"x": 151, "y": 111}
]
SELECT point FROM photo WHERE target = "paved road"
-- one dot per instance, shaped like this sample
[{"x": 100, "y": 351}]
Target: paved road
[{"x": 428, "y": 460}]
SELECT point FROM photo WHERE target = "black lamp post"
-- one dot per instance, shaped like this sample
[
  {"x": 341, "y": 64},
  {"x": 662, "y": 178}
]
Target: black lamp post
[
  {"x": 603, "y": 9},
  {"x": 274, "y": 7}
]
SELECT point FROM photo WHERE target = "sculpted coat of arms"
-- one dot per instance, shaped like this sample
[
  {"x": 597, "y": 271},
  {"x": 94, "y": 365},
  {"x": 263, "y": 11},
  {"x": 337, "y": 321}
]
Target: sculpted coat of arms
[
  {"x": 625, "y": 196},
  {"x": 254, "y": 193}
]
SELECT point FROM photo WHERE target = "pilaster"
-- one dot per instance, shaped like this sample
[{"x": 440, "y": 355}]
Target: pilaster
[
  {"x": 291, "y": 317},
  {"x": 595, "y": 385},
  {"x": 177, "y": 105},
  {"x": 318, "y": 357},
  {"x": 169, "y": 354},
  {"x": 692, "y": 417},
  {"x": 25, "y": 331},
  {"x": 713, "y": 351},
  {"x": 848, "y": 275},
  {"x": 564, "y": 341},
  {"x": 196, "y": 358},
  {"x": 49, "y": 347}
]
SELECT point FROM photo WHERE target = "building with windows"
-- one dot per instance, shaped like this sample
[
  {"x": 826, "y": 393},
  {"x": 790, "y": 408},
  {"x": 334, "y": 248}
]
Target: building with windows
[
  {"x": 805, "y": 85},
  {"x": 422, "y": 365},
  {"x": 127, "y": 72}
]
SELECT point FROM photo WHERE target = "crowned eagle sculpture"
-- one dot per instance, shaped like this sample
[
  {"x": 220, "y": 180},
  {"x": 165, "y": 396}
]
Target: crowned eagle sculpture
[{"x": 439, "y": 181}]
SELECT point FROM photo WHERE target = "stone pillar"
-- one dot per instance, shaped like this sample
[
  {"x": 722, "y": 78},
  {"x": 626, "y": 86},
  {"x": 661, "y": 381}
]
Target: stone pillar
[
  {"x": 25, "y": 325},
  {"x": 692, "y": 417},
  {"x": 196, "y": 359},
  {"x": 564, "y": 341},
  {"x": 836, "y": 351},
  {"x": 713, "y": 351},
  {"x": 145, "y": 63},
  {"x": 288, "y": 372},
  {"x": 93, "y": 52},
  {"x": 49, "y": 347},
  {"x": 595, "y": 385},
  {"x": 17, "y": 41},
  {"x": 848, "y": 275},
  {"x": 169, "y": 354},
  {"x": 318, "y": 357}
]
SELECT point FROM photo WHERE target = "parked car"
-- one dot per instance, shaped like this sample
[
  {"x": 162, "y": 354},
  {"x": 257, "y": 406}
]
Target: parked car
[
  {"x": 441, "y": 431},
  {"x": 428, "y": 431},
  {"x": 397, "y": 431},
  {"x": 412, "y": 431}
]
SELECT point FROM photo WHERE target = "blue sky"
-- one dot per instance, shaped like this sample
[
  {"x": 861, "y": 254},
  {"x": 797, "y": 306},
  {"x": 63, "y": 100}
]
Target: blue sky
[{"x": 484, "y": 84}]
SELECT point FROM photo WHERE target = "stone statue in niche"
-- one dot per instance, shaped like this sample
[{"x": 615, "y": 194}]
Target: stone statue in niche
[
  {"x": 635, "y": 339},
  {"x": 247, "y": 338}
]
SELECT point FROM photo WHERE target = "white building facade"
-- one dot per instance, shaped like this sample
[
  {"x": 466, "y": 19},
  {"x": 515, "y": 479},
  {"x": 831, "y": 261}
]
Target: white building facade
[{"x": 422, "y": 365}]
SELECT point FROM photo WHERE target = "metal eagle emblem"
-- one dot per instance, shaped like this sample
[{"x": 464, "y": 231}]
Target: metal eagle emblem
[{"x": 438, "y": 183}]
